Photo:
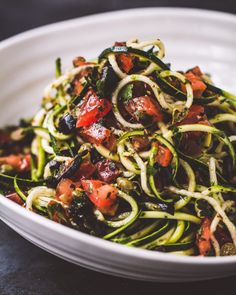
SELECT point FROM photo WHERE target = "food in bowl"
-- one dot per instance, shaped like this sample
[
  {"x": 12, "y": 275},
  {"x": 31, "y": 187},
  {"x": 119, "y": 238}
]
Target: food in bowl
[{"x": 126, "y": 149}]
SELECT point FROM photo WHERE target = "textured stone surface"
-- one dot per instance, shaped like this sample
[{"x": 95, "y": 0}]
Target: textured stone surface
[{"x": 28, "y": 270}]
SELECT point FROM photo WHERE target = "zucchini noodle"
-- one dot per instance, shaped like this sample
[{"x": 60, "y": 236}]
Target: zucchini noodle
[
  {"x": 159, "y": 241},
  {"x": 223, "y": 117},
  {"x": 187, "y": 84},
  {"x": 214, "y": 204},
  {"x": 160, "y": 235},
  {"x": 176, "y": 216},
  {"x": 127, "y": 149},
  {"x": 49, "y": 123},
  {"x": 133, "y": 213},
  {"x": 214, "y": 225},
  {"x": 143, "y": 169},
  {"x": 177, "y": 234},
  {"x": 106, "y": 153},
  {"x": 129, "y": 165},
  {"x": 37, "y": 193},
  {"x": 219, "y": 134},
  {"x": 213, "y": 179},
  {"x": 191, "y": 184},
  {"x": 141, "y": 45},
  {"x": 66, "y": 77},
  {"x": 126, "y": 81}
]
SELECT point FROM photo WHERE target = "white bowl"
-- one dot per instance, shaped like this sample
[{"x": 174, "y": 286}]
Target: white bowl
[{"x": 192, "y": 37}]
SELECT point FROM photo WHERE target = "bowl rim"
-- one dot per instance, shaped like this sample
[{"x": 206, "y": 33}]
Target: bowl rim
[
  {"x": 112, "y": 247},
  {"x": 79, "y": 236}
]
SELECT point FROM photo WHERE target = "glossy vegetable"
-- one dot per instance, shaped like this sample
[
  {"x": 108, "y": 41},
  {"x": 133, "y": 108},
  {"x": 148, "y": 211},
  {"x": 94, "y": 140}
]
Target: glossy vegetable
[
  {"x": 104, "y": 196},
  {"x": 204, "y": 237},
  {"x": 126, "y": 149},
  {"x": 93, "y": 109}
]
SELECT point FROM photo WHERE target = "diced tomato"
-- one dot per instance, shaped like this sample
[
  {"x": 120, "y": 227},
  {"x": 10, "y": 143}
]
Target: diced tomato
[
  {"x": 20, "y": 163},
  {"x": 196, "y": 71},
  {"x": 86, "y": 170},
  {"x": 144, "y": 105},
  {"x": 102, "y": 195},
  {"x": 15, "y": 198},
  {"x": 197, "y": 84},
  {"x": 90, "y": 185},
  {"x": 111, "y": 143},
  {"x": 203, "y": 238},
  {"x": 93, "y": 109},
  {"x": 195, "y": 114},
  {"x": 122, "y": 43},
  {"x": 95, "y": 133},
  {"x": 65, "y": 189},
  {"x": 85, "y": 72},
  {"x": 78, "y": 87},
  {"x": 107, "y": 171},
  {"x": 164, "y": 155},
  {"x": 125, "y": 61},
  {"x": 81, "y": 61},
  {"x": 191, "y": 141}
]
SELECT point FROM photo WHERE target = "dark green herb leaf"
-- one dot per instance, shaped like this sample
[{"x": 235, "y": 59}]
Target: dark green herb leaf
[{"x": 127, "y": 93}]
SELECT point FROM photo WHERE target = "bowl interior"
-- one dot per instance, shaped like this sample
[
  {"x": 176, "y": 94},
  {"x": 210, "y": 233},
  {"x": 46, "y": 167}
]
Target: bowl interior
[{"x": 191, "y": 37}]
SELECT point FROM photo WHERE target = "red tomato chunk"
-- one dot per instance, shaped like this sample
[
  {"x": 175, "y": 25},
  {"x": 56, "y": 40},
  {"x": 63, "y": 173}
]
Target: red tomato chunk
[
  {"x": 65, "y": 189},
  {"x": 144, "y": 105},
  {"x": 102, "y": 195},
  {"x": 93, "y": 109},
  {"x": 204, "y": 237},
  {"x": 164, "y": 156},
  {"x": 95, "y": 133},
  {"x": 125, "y": 61},
  {"x": 198, "y": 86},
  {"x": 15, "y": 198},
  {"x": 20, "y": 163}
]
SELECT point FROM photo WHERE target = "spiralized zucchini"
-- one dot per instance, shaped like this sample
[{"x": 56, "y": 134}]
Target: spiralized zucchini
[{"x": 126, "y": 149}]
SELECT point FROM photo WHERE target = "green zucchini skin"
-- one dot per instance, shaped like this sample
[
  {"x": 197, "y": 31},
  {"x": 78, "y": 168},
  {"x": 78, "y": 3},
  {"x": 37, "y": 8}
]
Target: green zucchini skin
[
  {"x": 153, "y": 236},
  {"x": 77, "y": 99},
  {"x": 123, "y": 49},
  {"x": 178, "y": 246},
  {"x": 178, "y": 94},
  {"x": 202, "y": 165},
  {"x": 21, "y": 181},
  {"x": 220, "y": 91}
]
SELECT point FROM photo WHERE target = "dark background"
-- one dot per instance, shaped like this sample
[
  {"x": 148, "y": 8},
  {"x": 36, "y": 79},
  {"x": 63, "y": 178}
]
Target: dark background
[
  {"x": 24, "y": 268},
  {"x": 20, "y": 15}
]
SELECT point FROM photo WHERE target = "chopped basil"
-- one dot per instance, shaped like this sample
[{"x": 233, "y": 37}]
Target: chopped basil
[{"x": 127, "y": 93}]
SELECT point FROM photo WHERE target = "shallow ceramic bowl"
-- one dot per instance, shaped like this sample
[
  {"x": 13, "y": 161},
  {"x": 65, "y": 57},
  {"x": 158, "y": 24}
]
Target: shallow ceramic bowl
[{"x": 192, "y": 37}]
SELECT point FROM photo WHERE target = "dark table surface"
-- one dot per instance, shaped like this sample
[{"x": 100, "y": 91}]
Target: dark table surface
[{"x": 26, "y": 269}]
